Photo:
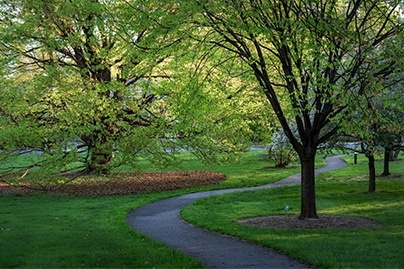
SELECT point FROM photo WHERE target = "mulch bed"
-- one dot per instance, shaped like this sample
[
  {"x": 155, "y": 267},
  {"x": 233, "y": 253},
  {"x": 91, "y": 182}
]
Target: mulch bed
[
  {"x": 122, "y": 184},
  {"x": 291, "y": 221}
]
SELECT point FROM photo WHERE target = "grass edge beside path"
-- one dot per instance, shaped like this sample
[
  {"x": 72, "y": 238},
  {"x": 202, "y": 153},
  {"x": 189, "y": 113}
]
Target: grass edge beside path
[{"x": 338, "y": 192}]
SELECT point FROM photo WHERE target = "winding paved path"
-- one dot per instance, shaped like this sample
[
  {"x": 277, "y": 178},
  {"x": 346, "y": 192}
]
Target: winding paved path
[{"x": 161, "y": 221}]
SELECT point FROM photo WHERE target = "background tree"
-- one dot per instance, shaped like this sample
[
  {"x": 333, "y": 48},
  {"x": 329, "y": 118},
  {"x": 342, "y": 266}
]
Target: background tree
[
  {"x": 376, "y": 125},
  {"x": 218, "y": 107},
  {"x": 392, "y": 125},
  {"x": 390, "y": 134},
  {"x": 368, "y": 127},
  {"x": 323, "y": 53}
]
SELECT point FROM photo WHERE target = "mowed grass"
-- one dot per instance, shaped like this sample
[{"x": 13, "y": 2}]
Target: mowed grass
[
  {"x": 339, "y": 192},
  {"x": 52, "y": 231},
  {"x": 72, "y": 232},
  {"x": 65, "y": 232}
]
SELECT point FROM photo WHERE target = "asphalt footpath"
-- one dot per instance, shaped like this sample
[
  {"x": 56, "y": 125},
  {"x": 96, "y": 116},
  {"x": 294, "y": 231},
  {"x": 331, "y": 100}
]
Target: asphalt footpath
[{"x": 161, "y": 221}]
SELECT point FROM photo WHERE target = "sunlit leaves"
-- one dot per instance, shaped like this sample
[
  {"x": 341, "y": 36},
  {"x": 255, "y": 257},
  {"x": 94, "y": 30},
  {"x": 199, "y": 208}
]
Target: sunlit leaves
[{"x": 80, "y": 71}]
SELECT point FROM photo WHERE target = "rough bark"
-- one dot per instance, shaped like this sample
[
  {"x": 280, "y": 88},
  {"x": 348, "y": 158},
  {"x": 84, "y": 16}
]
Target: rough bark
[
  {"x": 101, "y": 156},
  {"x": 308, "y": 191}
]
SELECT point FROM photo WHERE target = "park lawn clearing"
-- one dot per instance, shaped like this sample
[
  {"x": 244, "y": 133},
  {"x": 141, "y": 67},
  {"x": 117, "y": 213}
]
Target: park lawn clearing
[
  {"x": 245, "y": 170},
  {"x": 378, "y": 246},
  {"x": 50, "y": 231},
  {"x": 63, "y": 231}
]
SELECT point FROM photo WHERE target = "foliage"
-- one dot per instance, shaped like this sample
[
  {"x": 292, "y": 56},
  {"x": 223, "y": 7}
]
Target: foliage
[
  {"x": 153, "y": 77},
  {"x": 312, "y": 61},
  {"x": 82, "y": 81},
  {"x": 80, "y": 88},
  {"x": 371, "y": 126},
  {"x": 216, "y": 100}
]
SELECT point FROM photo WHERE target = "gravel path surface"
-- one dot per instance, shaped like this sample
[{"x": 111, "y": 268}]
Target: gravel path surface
[{"x": 161, "y": 221}]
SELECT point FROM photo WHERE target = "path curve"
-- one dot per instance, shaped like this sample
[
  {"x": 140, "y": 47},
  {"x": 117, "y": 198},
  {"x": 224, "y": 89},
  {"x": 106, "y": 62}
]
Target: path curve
[{"x": 161, "y": 221}]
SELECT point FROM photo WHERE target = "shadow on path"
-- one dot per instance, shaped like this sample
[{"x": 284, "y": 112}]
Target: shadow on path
[{"x": 161, "y": 221}]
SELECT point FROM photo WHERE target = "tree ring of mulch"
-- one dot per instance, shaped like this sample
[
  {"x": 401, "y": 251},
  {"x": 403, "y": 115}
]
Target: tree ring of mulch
[
  {"x": 291, "y": 221},
  {"x": 122, "y": 183}
]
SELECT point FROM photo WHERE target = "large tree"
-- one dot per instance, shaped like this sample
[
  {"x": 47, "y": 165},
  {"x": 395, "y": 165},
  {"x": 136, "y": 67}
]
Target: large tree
[
  {"x": 311, "y": 59},
  {"x": 82, "y": 75},
  {"x": 93, "y": 82}
]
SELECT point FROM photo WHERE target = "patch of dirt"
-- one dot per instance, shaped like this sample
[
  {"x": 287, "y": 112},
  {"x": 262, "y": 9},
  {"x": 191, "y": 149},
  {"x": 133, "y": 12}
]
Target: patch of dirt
[
  {"x": 323, "y": 222},
  {"x": 122, "y": 184}
]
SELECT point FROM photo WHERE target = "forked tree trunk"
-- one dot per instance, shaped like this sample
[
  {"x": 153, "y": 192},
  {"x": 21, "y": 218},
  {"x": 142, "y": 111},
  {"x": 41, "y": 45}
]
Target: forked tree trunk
[{"x": 308, "y": 208}]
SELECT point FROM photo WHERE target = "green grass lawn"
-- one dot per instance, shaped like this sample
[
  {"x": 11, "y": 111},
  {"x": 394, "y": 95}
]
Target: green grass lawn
[
  {"x": 54, "y": 232},
  {"x": 341, "y": 192},
  {"x": 61, "y": 231}
]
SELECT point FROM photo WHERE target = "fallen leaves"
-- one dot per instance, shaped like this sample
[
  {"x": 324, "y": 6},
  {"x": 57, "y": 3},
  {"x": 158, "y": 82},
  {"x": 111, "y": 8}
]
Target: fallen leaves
[{"x": 125, "y": 183}]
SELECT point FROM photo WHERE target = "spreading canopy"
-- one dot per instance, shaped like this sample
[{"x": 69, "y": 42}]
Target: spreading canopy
[
  {"x": 313, "y": 60},
  {"x": 81, "y": 76}
]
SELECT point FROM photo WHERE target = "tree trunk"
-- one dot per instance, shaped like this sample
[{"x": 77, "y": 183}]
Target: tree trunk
[
  {"x": 308, "y": 208},
  {"x": 101, "y": 157},
  {"x": 372, "y": 172},
  {"x": 387, "y": 157}
]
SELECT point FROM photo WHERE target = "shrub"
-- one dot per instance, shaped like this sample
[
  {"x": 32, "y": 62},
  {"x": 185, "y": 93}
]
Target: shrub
[{"x": 280, "y": 150}]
